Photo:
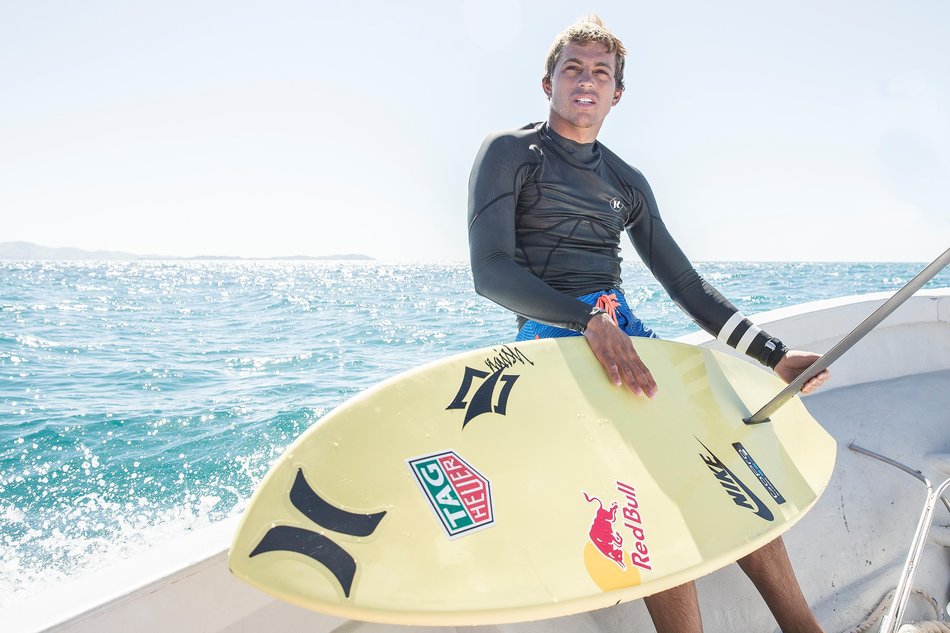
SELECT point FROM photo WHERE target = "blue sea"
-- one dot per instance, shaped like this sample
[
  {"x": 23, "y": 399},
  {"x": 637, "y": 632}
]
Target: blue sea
[{"x": 141, "y": 400}]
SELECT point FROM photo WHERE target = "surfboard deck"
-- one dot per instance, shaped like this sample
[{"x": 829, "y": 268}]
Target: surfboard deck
[{"x": 517, "y": 483}]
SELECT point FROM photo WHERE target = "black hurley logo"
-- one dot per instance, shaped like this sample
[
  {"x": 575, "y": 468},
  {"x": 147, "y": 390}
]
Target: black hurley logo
[{"x": 317, "y": 546}]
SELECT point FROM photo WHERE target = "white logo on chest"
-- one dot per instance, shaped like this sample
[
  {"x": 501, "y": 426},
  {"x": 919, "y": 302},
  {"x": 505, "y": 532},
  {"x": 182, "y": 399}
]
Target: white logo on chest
[{"x": 616, "y": 204}]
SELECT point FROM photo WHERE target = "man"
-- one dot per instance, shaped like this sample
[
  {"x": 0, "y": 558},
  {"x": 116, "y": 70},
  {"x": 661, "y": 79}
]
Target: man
[{"x": 547, "y": 205}]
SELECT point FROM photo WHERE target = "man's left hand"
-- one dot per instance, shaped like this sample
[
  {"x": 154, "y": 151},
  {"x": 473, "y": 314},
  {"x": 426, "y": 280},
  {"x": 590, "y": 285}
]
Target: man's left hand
[{"x": 797, "y": 361}]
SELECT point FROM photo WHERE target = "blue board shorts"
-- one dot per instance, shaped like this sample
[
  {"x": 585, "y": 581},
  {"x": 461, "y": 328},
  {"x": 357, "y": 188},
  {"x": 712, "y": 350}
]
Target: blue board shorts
[{"x": 612, "y": 301}]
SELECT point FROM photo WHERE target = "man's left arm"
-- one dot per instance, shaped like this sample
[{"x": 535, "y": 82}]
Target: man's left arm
[{"x": 703, "y": 302}]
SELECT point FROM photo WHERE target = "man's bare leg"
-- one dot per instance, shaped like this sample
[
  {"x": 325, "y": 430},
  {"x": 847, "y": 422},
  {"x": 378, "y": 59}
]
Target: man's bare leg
[
  {"x": 676, "y": 610},
  {"x": 771, "y": 572}
]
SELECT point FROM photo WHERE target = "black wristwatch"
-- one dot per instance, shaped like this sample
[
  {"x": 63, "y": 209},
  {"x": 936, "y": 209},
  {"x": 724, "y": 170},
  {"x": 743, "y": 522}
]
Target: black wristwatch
[
  {"x": 593, "y": 312},
  {"x": 772, "y": 352}
]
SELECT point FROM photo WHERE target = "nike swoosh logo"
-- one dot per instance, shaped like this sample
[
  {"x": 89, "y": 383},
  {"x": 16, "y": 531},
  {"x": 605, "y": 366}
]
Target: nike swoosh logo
[{"x": 760, "y": 509}]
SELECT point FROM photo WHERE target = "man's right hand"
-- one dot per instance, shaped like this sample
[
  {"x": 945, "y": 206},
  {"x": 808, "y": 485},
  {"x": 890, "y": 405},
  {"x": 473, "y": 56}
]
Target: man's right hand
[{"x": 614, "y": 349}]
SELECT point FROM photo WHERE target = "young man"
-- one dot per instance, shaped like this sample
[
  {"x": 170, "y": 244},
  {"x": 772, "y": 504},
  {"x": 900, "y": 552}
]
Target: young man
[{"x": 547, "y": 205}]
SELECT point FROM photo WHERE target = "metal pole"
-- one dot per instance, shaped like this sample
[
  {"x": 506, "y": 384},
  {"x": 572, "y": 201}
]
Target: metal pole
[{"x": 855, "y": 335}]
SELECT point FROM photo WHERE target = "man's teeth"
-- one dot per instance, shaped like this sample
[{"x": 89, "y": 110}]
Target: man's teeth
[{"x": 585, "y": 100}]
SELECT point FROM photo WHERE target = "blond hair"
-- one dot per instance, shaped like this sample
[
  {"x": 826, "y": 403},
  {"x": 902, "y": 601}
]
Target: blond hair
[{"x": 586, "y": 30}]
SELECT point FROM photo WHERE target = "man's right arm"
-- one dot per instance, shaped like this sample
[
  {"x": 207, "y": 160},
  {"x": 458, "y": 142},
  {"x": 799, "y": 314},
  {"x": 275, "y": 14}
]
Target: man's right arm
[{"x": 503, "y": 165}]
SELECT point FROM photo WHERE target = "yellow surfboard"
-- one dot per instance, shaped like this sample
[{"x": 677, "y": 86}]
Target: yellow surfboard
[{"x": 517, "y": 483}]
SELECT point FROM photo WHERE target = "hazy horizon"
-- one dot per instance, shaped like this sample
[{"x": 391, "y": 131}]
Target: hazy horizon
[{"x": 369, "y": 258}]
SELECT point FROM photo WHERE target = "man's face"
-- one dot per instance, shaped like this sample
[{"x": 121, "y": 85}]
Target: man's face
[{"x": 582, "y": 90}]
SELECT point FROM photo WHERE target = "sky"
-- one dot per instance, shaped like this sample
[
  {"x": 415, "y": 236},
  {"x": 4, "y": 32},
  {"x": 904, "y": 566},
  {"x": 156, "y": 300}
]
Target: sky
[{"x": 805, "y": 131}]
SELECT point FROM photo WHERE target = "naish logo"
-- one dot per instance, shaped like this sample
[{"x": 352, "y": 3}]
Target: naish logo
[
  {"x": 740, "y": 493},
  {"x": 616, "y": 204},
  {"x": 484, "y": 399},
  {"x": 459, "y": 494}
]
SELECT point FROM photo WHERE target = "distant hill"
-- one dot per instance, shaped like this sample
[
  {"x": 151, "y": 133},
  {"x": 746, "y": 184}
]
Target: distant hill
[
  {"x": 36, "y": 252},
  {"x": 26, "y": 250}
]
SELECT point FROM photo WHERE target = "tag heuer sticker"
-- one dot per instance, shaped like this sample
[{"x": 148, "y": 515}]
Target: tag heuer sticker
[{"x": 458, "y": 494}]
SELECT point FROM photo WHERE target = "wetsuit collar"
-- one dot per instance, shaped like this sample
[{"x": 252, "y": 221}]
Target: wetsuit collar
[{"x": 587, "y": 154}]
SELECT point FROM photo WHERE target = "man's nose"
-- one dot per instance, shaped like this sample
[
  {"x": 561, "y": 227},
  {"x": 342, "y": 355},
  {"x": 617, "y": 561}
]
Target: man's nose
[{"x": 586, "y": 78}]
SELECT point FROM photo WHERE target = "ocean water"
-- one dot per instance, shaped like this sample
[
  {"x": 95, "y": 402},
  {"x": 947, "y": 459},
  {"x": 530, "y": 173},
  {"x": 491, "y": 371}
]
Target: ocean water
[{"x": 141, "y": 400}]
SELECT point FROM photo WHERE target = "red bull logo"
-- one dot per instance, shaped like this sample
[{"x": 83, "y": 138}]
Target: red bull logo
[
  {"x": 602, "y": 533},
  {"x": 609, "y": 564}
]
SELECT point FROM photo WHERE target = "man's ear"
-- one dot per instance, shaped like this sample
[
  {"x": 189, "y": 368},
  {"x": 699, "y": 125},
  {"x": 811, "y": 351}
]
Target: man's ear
[
  {"x": 546, "y": 87},
  {"x": 617, "y": 94}
]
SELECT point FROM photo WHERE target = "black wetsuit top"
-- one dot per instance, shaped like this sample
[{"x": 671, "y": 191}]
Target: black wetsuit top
[{"x": 545, "y": 216}]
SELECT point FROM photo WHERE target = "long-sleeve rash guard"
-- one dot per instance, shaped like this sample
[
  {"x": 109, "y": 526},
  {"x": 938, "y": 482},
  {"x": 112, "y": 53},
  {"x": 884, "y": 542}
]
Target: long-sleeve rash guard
[{"x": 545, "y": 216}]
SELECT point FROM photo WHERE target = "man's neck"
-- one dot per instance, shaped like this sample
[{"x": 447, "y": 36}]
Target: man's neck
[{"x": 572, "y": 132}]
